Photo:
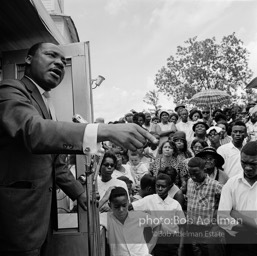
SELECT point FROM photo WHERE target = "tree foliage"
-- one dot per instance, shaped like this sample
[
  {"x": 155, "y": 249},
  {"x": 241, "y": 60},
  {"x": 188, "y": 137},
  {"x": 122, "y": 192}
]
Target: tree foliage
[
  {"x": 152, "y": 98},
  {"x": 205, "y": 64}
]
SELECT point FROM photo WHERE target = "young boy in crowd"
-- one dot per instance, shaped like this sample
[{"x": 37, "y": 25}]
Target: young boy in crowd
[
  {"x": 138, "y": 169},
  {"x": 124, "y": 228},
  {"x": 203, "y": 194},
  {"x": 147, "y": 187},
  {"x": 167, "y": 211}
]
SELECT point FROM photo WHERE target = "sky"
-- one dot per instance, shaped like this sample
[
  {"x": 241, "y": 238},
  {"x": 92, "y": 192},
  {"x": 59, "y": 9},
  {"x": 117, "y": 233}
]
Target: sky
[{"x": 130, "y": 40}]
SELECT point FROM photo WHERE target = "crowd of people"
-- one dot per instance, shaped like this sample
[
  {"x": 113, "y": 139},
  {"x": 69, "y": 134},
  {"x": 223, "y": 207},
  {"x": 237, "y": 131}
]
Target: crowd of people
[{"x": 195, "y": 192}]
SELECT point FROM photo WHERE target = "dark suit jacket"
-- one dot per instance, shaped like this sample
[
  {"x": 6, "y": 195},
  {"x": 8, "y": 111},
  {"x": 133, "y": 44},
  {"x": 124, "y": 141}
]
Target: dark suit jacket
[{"x": 28, "y": 140}]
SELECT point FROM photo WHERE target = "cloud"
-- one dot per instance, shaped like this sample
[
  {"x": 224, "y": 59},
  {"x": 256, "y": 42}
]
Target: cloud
[{"x": 113, "y": 7}]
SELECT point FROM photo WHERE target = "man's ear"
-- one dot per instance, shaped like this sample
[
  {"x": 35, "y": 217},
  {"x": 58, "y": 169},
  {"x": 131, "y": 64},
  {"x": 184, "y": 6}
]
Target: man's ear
[{"x": 28, "y": 59}]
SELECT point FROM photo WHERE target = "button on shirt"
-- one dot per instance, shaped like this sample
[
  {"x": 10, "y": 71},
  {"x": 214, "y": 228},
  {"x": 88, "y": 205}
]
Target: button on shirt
[
  {"x": 239, "y": 195},
  {"x": 167, "y": 211},
  {"x": 127, "y": 239},
  {"x": 231, "y": 155}
]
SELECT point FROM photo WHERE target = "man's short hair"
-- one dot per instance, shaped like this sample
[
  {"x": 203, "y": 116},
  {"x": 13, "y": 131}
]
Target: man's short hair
[
  {"x": 163, "y": 176},
  {"x": 171, "y": 171},
  {"x": 33, "y": 49},
  {"x": 250, "y": 148},
  {"x": 239, "y": 123},
  {"x": 196, "y": 162},
  {"x": 117, "y": 192},
  {"x": 147, "y": 181}
]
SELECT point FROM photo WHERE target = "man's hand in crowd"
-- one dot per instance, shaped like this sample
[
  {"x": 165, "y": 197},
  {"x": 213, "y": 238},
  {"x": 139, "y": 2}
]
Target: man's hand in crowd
[{"x": 130, "y": 136}]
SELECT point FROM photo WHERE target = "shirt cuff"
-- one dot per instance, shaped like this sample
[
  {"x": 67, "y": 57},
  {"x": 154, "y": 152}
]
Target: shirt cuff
[{"x": 90, "y": 145}]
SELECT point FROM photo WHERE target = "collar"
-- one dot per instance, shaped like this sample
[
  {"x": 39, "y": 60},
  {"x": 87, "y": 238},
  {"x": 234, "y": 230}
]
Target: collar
[
  {"x": 168, "y": 200},
  {"x": 242, "y": 179},
  {"x": 205, "y": 182},
  {"x": 117, "y": 221},
  {"x": 41, "y": 90}
]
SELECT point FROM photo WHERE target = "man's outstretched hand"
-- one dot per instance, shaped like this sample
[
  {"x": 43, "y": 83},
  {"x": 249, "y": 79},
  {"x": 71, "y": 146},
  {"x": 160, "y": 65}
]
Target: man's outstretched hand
[{"x": 130, "y": 136}]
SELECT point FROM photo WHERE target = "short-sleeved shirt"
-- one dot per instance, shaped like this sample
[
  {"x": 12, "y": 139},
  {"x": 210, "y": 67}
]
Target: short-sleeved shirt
[
  {"x": 127, "y": 239},
  {"x": 168, "y": 211},
  {"x": 231, "y": 155},
  {"x": 239, "y": 195},
  {"x": 202, "y": 201}
]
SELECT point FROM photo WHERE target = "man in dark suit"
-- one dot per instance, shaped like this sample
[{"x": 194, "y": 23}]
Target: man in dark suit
[{"x": 29, "y": 143}]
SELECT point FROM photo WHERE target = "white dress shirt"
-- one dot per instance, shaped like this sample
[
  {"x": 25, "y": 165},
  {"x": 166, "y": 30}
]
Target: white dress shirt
[
  {"x": 239, "y": 195},
  {"x": 168, "y": 211},
  {"x": 232, "y": 158}
]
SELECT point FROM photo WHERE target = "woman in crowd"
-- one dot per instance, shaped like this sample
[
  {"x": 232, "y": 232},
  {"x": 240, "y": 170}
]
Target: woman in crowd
[
  {"x": 168, "y": 157},
  {"x": 213, "y": 165},
  {"x": 195, "y": 115},
  {"x": 168, "y": 153},
  {"x": 165, "y": 128},
  {"x": 173, "y": 118},
  {"x": 105, "y": 179},
  {"x": 179, "y": 138},
  {"x": 139, "y": 118},
  {"x": 200, "y": 129},
  {"x": 214, "y": 136},
  {"x": 224, "y": 138}
]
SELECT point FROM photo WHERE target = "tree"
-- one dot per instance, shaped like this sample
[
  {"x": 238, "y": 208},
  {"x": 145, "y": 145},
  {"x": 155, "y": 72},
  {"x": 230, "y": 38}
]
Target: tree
[
  {"x": 152, "y": 98},
  {"x": 205, "y": 65}
]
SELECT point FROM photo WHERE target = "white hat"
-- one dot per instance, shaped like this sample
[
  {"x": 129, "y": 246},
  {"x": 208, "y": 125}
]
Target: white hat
[{"x": 216, "y": 128}]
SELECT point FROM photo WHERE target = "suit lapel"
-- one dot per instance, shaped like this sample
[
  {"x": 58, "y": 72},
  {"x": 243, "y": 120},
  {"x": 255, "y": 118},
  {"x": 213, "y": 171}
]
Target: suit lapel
[{"x": 35, "y": 94}]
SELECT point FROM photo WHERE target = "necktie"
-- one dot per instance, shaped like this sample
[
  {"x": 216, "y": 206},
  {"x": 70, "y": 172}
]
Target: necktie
[{"x": 49, "y": 104}]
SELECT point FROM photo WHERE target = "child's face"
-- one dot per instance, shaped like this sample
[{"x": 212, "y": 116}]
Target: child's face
[
  {"x": 134, "y": 160},
  {"x": 197, "y": 174},
  {"x": 119, "y": 207},
  {"x": 162, "y": 188}
]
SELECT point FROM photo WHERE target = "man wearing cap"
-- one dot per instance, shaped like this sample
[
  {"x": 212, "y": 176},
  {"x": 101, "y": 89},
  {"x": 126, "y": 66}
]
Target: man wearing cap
[
  {"x": 238, "y": 205},
  {"x": 165, "y": 128},
  {"x": 213, "y": 164},
  {"x": 231, "y": 151},
  {"x": 185, "y": 125}
]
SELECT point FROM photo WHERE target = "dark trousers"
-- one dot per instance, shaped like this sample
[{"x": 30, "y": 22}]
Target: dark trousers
[
  {"x": 205, "y": 240},
  {"x": 244, "y": 243},
  {"x": 167, "y": 246}
]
